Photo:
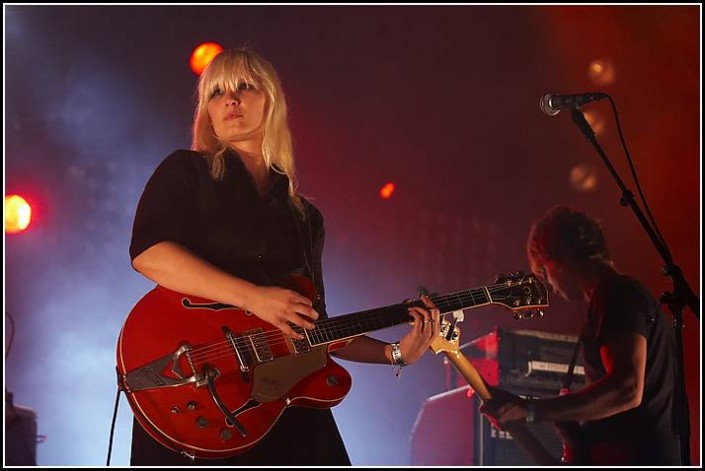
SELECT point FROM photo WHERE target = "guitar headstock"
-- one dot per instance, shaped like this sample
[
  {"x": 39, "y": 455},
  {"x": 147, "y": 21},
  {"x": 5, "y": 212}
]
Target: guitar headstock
[
  {"x": 448, "y": 340},
  {"x": 524, "y": 294}
]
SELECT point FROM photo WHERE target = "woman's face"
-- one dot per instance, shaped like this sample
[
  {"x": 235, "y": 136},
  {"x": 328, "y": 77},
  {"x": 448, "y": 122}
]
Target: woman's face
[{"x": 237, "y": 116}]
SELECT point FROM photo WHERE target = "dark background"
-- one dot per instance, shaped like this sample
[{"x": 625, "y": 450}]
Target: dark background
[{"x": 440, "y": 100}]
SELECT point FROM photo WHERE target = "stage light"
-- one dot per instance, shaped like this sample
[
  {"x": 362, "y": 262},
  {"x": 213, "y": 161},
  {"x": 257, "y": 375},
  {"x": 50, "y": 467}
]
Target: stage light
[
  {"x": 387, "y": 191},
  {"x": 18, "y": 214},
  {"x": 602, "y": 72},
  {"x": 203, "y": 55},
  {"x": 583, "y": 177}
]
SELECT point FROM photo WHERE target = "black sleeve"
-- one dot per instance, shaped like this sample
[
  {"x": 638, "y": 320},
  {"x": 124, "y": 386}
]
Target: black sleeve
[
  {"x": 166, "y": 202},
  {"x": 623, "y": 307},
  {"x": 318, "y": 236}
]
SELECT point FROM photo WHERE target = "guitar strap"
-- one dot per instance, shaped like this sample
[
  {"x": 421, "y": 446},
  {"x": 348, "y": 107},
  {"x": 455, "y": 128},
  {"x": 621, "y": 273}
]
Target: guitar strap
[
  {"x": 306, "y": 238},
  {"x": 568, "y": 377}
]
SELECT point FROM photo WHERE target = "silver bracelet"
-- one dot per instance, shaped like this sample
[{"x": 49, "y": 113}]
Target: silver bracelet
[
  {"x": 396, "y": 354},
  {"x": 397, "y": 359}
]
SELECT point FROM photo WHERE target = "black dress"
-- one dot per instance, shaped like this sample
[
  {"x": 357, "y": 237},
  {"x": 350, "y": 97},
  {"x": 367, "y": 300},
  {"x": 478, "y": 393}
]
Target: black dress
[{"x": 257, "y": 238}]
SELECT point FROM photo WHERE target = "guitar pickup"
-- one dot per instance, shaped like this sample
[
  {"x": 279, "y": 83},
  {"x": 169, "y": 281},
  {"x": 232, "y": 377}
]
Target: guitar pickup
[
  {"x": 302, "y": 345},
  {"x": 244, "y": 368}
]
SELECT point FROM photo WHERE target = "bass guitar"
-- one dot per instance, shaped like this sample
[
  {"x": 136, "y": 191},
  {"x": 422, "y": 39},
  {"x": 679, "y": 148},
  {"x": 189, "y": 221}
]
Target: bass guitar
[
  {"x": 447, "y": 342},
  {"x": 210, "y": 380}
]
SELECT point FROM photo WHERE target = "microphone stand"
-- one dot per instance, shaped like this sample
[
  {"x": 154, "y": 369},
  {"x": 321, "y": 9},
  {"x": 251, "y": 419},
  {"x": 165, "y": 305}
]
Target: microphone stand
[{"x": 681, "y": 295}]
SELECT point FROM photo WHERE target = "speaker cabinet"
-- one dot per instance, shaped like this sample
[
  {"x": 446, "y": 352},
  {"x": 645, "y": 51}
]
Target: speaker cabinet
[
  {"x": 497, "y": 448},
  {"x": 20, "y": 436}
]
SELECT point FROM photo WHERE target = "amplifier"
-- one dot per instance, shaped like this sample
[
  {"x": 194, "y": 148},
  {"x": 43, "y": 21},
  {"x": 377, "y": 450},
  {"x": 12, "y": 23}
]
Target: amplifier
[
  {"x": 497, "y": 448},
  {"x": 450, "y": 431},
  {"x": 525, "y": 361}
]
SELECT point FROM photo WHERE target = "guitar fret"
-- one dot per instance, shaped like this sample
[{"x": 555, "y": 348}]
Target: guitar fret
[
  {"x": 472, "y": 297},
  {"x": 460, "y": 301},
  {"x": 489, "y": 298}
]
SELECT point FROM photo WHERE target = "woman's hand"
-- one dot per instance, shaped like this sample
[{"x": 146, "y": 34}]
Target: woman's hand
[
  {"x": 426, "y": 328},
  {"x": 281, "y": 307}
]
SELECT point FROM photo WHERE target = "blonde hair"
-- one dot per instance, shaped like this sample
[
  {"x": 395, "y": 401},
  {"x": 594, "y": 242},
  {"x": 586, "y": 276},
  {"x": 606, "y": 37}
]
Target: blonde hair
[{"x": 226, "y": 72}]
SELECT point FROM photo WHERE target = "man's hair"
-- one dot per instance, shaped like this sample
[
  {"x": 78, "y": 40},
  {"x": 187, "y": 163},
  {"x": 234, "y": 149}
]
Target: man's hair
[{"x": 564, "y": 234}]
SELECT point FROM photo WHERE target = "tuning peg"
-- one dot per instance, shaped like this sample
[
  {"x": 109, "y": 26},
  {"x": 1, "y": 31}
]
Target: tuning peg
[{"x": 527, "y": 314}]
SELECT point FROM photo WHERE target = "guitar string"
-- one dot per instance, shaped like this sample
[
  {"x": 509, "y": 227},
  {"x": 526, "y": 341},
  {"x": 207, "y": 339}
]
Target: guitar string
[
  {"x": 339, "y": 326},
  {"x": 275, "y": 337}
]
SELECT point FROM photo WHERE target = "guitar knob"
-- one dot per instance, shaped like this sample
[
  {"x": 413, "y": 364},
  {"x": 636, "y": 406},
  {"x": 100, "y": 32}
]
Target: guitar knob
[
  {"x": 331, "y": 380},
  {"x": 201, "y": 422},
  {"x": 191, "y": 405},
  {"x": 226, "y": 434}
]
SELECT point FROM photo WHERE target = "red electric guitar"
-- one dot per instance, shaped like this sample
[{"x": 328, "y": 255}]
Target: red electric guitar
[{"x": 210, "y": 380}]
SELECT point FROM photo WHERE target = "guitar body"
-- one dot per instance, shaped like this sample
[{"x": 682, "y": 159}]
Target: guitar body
[
  {"x": 581, "y": 448},
  {"x": 170, "y": 345},
  {"x": 570, "y": 435}
]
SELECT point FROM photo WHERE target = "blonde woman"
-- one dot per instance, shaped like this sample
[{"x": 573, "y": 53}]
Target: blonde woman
[{"x": 223, "y": 222}]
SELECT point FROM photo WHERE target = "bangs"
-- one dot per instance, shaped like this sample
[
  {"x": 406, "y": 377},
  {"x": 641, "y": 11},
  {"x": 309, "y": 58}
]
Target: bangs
[{"x": 227, "y": 74}]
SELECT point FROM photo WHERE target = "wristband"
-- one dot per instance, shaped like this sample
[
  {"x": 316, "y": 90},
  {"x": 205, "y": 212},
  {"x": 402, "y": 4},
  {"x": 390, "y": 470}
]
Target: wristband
[
  {"x": 396, "y": 355},
  {"x": 397, "y": 359}
]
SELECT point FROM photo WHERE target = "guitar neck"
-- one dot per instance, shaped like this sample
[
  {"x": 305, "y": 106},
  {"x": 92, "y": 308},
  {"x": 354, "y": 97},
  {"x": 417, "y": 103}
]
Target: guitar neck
[
  {"x": 359, "y": 323},
  {"x": 470, "y": 374},
  {"x": 523, "y": 437}
]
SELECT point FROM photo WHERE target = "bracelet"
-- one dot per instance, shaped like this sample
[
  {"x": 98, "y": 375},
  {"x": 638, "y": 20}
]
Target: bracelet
[
  {"x": 397, "y": 359},
  {"x": 531, "y": 413},
  {"x": 396, "y": 354}
]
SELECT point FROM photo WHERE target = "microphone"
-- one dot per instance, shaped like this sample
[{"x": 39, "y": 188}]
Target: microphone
[{"x": 552, "y": 104}]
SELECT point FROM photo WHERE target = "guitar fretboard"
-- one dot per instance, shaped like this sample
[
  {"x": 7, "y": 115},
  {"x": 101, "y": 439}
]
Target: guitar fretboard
[{"x": 359, "y": 323}]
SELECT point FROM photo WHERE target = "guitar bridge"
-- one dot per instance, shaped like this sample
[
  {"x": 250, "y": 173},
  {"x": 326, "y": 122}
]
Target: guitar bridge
[
  {"x": 244, "y": 367},
  {"x": 162, "y": 372}
]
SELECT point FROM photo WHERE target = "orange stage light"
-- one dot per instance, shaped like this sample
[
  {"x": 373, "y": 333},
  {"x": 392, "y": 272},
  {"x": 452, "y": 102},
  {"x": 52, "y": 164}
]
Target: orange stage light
[
  {"x": 203, "y": 55},
  {"x": 18, "y": 214},
  {"x": 387, "y": 191}
]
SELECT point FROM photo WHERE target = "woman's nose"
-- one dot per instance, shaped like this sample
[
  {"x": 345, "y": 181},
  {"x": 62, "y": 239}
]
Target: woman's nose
[{"x": 232, "y": 97}]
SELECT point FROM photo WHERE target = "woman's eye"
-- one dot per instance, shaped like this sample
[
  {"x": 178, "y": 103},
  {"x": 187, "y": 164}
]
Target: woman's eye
[
  {"x": 216, "y": 92},
  {"x": 244, "y": 86}
]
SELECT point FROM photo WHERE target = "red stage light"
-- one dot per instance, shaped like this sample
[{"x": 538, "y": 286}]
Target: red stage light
[
  {"x": 203, "y": 55},
  {"x": 18, "y": 214},
  {"x": 387, "y": 191}
]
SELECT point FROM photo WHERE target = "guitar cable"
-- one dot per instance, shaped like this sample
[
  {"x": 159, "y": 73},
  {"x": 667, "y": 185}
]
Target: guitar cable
[{"x": 112, "y": 425}]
